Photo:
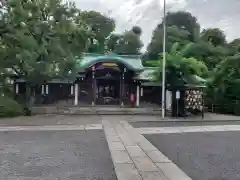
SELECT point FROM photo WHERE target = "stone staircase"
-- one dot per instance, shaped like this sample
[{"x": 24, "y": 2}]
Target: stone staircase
[{"x": 73, "y": 110}]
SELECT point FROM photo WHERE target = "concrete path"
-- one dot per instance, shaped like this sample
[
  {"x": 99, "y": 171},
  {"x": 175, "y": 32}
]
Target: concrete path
[
  {"x": 135, "y": 158},
  {"x": 184, "y": 129},
  {"x": 52, "y": 128}
]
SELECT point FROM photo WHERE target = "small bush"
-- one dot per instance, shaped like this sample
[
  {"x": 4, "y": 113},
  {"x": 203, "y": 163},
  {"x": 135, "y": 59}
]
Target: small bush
[{"x": 9, "y": 107}]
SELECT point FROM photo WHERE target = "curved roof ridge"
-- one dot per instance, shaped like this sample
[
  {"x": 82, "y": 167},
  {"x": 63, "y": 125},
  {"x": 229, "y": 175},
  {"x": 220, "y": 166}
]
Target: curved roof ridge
[
  {"x": 131, "y": 61},
  {"x": 114, "y": 54}
]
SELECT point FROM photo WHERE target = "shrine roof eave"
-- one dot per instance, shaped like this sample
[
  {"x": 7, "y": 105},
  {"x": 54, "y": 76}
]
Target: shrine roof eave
[{"x": 131, "y": 62}]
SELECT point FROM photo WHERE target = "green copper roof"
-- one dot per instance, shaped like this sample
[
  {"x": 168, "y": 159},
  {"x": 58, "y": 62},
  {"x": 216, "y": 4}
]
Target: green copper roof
[
  {"x": 147, "y": 74},
  {"x": 132, "y": 62}
]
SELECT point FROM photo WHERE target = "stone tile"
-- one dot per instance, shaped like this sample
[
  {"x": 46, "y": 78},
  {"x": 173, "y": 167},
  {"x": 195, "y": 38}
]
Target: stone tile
[
  {"x": 113, "y": 139},
  {"x": 222, "y": 128},
  {"x": 43, "y": 128},
  {"x": 137, "y": 137},
  {"x": 193, "y": 129},
  {"x": 120, "y": 157},
  {"x": 127, "y": 172},
  {"x": 171, "y": 171},
  {"x": 158, "y": 130},
  {"x": 158, "y": 157},
  {"x": 125, "y": 137},
  {"x": 135, "y": 151},
  {"x": 146, "y": 145},
  {"x": 118, "y": 146},
  {"x": 144, "y": 164},
  {"x": 153, "y": 176},
  {"x": 93, "y": 126},
  {"x": 232, "y": 128}
]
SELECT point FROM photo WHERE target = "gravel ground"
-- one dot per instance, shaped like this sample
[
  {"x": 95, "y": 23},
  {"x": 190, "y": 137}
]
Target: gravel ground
[
  {"x": 203, "y": 156},
  {"x": 55, "y": 155},
  {"x": 48, "y": 120},
  {"x": 176, "y": 124}
]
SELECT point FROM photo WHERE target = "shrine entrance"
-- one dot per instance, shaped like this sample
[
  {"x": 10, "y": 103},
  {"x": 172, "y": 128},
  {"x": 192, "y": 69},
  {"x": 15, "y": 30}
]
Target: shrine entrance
[
  {"x": 110, "y": 83},
  {"x": 108, "y": 91}
]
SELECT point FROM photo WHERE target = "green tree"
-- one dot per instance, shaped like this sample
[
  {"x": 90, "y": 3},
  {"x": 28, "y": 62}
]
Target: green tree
[
  {"x": 39, "y": 37},
  {"x": 179, "y": 69},
  {"x": 224, "y": 86},
  {"x": 127, "y": 43},
  {"x": 184, "y": 21},
  {"x": 182, "y": 27},
  {"x": 174, "y": 34},
  {"x": 101, "y": 27},
  {"x": 112, "y": 42},
  {"x": 208, "y": 53},
  {"x": 215, "y": 36},
  {"x": 234, "y": 46}
]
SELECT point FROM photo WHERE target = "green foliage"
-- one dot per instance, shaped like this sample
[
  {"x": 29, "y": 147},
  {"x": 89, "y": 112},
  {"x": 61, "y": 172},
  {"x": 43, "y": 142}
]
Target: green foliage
[
  {"x": 38, "y": 35},
  {"x": 179, "y": 69},
  {"x": 184, "y": 21},
  {"x": 151, "y": 63},
  {"x": 101, "y": 27},
  {"x": 137, "y": 30},
  {"x": 214, "y": 36},
  {"x": 174, "y": 34},
  {"x": 127, "y": 43},
  {"x": 9, "y": 107},
  {"x": 224, "y": 85}
]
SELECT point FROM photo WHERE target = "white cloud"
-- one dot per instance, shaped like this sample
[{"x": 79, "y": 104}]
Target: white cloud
[{"x": 148, "y": 13}]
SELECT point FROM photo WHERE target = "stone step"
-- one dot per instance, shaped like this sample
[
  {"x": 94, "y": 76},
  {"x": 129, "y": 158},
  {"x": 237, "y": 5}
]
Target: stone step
[{"x": 95, "y": 111}]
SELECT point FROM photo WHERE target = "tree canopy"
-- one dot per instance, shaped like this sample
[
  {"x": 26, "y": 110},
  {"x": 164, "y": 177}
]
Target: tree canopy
[{"x": 40, "y": 39}]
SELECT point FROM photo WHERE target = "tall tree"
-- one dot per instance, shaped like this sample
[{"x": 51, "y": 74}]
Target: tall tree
[
  {"x": 112, "y": 42},
  {"x": 235, "y": 45},
  {"x": 127, "y": 43},
  {"x": 184, "y": 21},
  {"x": 174, "y": 34},
  {"x": 101, "y": 27},
  {"x": 38, "y": 37},
  {"x": 179, "y": 69},
  {"x": 215, "y": 36},
  {"x": 224, "y": 85}
]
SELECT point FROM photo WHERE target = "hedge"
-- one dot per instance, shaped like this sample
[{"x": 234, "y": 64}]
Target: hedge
[{"x": 9, "y": 107}]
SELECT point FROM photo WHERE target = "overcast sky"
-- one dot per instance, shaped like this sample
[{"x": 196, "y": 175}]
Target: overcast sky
[{"x": 223, "y": 14}]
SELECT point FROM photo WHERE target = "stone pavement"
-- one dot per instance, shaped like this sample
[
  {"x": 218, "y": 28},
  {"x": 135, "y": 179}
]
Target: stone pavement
[
  {"x": 55, "y": 155},
  {"x": 135, "y": 158},
  {"x": 185, "y": 129}
]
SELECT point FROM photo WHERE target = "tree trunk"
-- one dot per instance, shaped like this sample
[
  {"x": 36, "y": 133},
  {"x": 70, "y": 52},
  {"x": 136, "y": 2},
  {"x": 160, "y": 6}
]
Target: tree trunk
[{"x": 29, "y": 99}]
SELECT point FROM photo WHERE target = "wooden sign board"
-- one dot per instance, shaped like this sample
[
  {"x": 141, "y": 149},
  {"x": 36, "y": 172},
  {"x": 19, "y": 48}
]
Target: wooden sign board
[{"x": 109, "y": 64}]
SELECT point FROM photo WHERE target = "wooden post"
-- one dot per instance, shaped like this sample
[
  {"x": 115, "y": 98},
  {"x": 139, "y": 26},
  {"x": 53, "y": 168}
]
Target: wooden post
[
  {"x": 76, "y": 95},
  {"x": 137, "y": 96},
  {"x": 122, "y": 89}
]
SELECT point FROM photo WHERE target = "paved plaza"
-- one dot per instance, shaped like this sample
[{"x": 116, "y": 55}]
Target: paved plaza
[{"x": 117, "y": 147}]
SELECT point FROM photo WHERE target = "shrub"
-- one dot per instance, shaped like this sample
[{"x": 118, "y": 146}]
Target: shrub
[{"x": 9, "y": 107}]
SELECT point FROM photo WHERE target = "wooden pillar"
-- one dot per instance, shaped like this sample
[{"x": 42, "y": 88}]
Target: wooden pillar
[
  {"x": 122, "y": 88},
  {"x": 16, "y": 88},
  {"x": 76, "y": 95},
  {"x": 137, "y": 96}
]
